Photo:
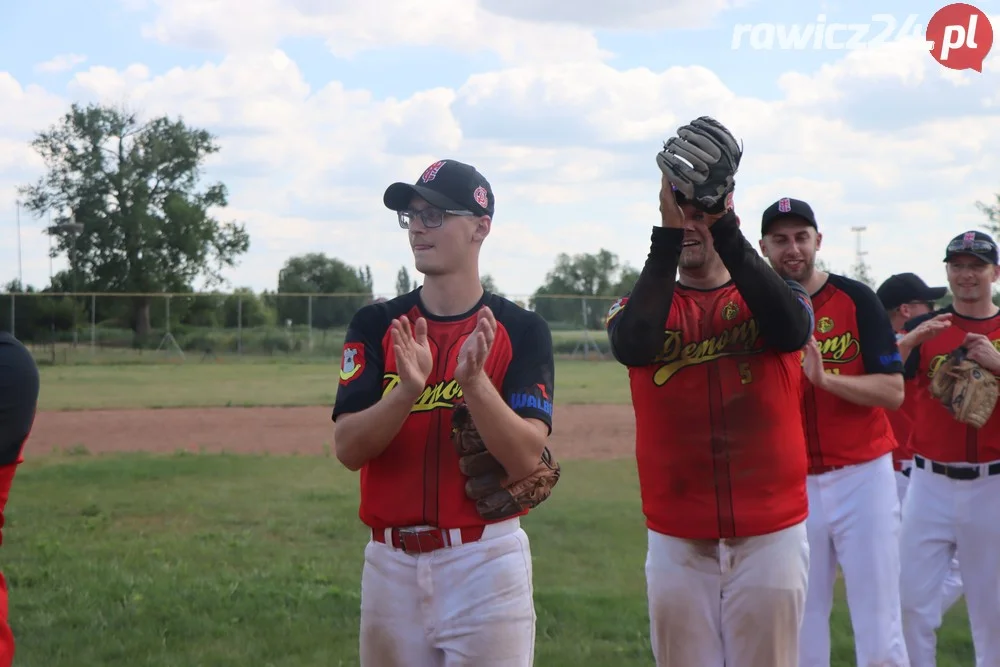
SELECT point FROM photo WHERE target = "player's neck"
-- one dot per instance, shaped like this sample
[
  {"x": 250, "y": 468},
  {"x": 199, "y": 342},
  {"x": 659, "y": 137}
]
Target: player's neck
[
  {"x": 897, "y": 322},
  {"x": 704, "y": 279},
  {"x": 452, "y": 294},
  {"x": 979, "y": 310},
  {"x": 815, "y": 282}
]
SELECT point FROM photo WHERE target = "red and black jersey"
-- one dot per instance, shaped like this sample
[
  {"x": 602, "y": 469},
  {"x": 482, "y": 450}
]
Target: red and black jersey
[
  {"x": 19, "y": 389},
  {"x": 936, "y": 434},
  {"x": 416, "y": 480},
  {"x": 716, "y": 388},
  {"x": 855, "y": 337},
  {"x": 719, "y": 440}
]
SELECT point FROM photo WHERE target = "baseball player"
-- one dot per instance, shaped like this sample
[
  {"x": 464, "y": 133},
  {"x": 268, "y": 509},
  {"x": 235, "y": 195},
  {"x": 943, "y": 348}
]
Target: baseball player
[
  {"x": 441, "y": 584},
  {"x": 953, "y": 499},
  {"x": 905, "y": 297},
  {"x": 713, "y": 362},
  {"x": 854, "y": 374},
  {"x": 19, "y": 388}
]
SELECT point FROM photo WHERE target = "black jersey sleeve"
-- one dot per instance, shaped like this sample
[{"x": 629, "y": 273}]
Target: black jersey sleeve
[
  {"x": 362, "y": 364},
  {"x": 19, "y": 389},
  {"x": 529, "y": 383},
  {"x": 636, "y": 323},
  {"x": 879, "y": 350},
  {"x": 781, "y": 307}
]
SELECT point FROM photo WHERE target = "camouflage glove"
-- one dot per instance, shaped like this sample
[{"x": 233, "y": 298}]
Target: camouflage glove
[
  {"x": 497, "y": 497},
  {"x": 701, "y": 163},
  {"x": 965, "y": 388}
]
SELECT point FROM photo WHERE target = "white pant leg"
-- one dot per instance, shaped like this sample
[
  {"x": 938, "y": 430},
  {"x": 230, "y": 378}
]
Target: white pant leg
[
  {"x": 684, "y": 589},
  {"x": 466, "y": 605},
  {"x": 484, "y": 603},
  {"x": 763, "y": 598},
  {"x": 951, "y": 591},
  {"x": 927, "y": 545},
  {"x": 860, "y": 506},
  {"x": 814, "y": 637},
  {"x": 977, "y": 532},
  {"x": 395, "y": 616}
]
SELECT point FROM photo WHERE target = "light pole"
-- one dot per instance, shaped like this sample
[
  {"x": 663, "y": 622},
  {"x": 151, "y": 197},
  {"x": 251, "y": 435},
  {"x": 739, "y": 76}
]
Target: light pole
[{"x": 20, "y": 272}]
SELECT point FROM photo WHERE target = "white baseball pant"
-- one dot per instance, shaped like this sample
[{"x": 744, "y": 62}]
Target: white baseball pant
[
  {"x": 951, "y": 591},
  {"x": 469, "y": 605},
  {"x": 854, "y": 521},
  {"x": 727, "y": 603},
  {"x": 943, "y": 516}
]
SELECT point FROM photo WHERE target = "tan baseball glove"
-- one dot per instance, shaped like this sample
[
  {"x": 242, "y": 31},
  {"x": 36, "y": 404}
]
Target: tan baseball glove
[
  {"x": 965, "y": 388},
  {"x": 496, "y": 496}
]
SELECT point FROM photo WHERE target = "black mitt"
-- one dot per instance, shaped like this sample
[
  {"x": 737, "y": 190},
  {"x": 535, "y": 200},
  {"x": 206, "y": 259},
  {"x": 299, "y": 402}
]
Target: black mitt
[{"x": 701, "y": 162}]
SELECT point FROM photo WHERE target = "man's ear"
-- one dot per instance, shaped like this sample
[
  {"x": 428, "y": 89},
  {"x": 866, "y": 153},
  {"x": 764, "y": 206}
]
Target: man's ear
[
  {"x": 482, "y": 229},
  {"x": 763, "y": 247},
  {"x": 819, "y": 240}
]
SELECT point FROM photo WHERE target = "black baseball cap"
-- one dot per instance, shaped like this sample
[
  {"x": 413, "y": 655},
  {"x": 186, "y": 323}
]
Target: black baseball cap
[
  {"x": 447, "y": 184},
  {"x": 907, "y": 288},
  {"x": 978, "y": 244},
  {"x": 786, "y": 207}
]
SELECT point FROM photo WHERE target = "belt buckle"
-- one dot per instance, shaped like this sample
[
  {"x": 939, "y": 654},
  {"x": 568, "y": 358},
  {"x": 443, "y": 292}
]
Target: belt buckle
[{"x": 417, "y": 544}]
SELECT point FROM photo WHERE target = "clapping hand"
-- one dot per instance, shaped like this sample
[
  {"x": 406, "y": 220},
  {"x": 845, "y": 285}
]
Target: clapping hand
[
  {"x": 981, "y": 350},
  {"x": 414, "y": 360},
  {"x": 812, "y": 363},
  {"x": 476, "y": 349}
]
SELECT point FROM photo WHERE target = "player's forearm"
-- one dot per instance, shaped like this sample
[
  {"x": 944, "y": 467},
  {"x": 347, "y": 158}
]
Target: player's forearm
[
  {"x": 512, "y": 440},
  {"x": 882, "y": 390},
  {"x": 361, "y": 436},
  {"x": 783, "y": 313},
  {"x": 639, "y": 334}
]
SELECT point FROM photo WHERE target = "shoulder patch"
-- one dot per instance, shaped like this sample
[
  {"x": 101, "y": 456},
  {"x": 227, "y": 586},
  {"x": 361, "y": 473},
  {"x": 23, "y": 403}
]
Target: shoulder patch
[
  {"x": 352, "y": 365},
  {"x": 615, "y": 308}
]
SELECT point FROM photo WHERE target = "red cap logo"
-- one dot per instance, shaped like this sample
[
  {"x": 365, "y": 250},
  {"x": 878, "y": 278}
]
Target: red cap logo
[{"x": 961, "y": 37}]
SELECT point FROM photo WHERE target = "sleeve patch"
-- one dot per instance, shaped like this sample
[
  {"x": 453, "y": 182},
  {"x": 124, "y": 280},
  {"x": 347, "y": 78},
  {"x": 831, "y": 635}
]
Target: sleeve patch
[
  {"x": 536, "y": 398},
  {"x": 615, "y": 308},
  {"x": 352, "y": 365}
]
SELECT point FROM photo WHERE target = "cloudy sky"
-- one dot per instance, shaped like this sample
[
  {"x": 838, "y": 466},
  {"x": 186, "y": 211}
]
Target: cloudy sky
[{"x": 563, "y": 104}]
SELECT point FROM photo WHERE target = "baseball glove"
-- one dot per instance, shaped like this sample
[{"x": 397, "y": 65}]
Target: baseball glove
[
  {"x": 701, "y": 163},
  {"x": 965, "y": 388},
  {"x": 496, "y": 496}
]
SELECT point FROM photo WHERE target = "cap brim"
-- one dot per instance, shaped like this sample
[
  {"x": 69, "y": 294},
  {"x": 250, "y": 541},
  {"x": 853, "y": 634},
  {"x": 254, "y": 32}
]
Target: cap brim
[
  {"x": 398, "y": 196},
  {"x": 935, "y": 293},
  {"x": 978, "y": 255}
]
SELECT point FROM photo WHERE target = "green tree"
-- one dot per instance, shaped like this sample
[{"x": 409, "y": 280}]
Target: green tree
[
  {"x": 315, "y": 273},
  {"x": 598, "y": 279},
  {"x": 133, "y": 189},
  {"x": 403, "y": 283},
  {"x": 489, "y": 284}
]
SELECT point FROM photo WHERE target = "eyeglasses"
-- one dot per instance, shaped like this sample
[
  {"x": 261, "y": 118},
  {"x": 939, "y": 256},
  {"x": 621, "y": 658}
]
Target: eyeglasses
[
  {"x": 977, "y": 245},
  {"x": 430, "y": 216}
]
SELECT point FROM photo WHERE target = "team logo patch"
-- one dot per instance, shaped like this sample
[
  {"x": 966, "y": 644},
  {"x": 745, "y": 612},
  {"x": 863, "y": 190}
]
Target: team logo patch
[
  {"x": 824, "y": 325},
  {"x": 480, "y": 196},
  {"x": 730, "y": 311},
  {"x": 353, "y": 362},
  {"x": 432, "y": 171},
  {"x": 614, "y": 310},
  {"x": 968, "y": 239},
  {"x": 784, "y": 205}
]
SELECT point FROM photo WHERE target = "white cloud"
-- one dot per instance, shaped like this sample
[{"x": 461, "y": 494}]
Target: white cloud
[
  {"x": 568, "y": 143},
  {"x": 61, "y": 63},
  {"x": 349, "y": 28}
]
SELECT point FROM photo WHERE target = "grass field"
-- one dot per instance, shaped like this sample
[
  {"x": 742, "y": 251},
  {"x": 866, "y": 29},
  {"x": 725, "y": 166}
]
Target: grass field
[
  {"x": 89, "y": 387},
  {"x": 220, "y": 560}
]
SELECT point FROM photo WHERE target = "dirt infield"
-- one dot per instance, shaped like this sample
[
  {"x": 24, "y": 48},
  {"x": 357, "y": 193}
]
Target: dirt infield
[{"x": 581, "y": 431}]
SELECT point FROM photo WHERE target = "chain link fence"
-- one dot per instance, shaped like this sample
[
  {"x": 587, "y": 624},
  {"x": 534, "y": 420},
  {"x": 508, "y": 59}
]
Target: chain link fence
[{"x": 68, "y": 328}]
